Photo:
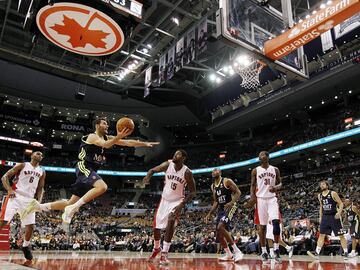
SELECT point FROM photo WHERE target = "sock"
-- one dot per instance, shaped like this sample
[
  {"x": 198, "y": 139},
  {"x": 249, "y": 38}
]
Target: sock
[
  {"x": 79, "y": 203},
  {"x": 318, "y": 249},
  {"x": 272, "y": 252},
  {"x": 263, "y": 250},
  {"x": 26, "y": 243},
  {"x": 166, "y": 246},
  {"x": 287, "y": 248},
  {"x": 345, "y": 250},
  {"x": 46, "y": 207},
  {"x": 228, "y": 252},
  {"x": 276, "y": 246},
  {"x": 156, "y": 244},
  {"x": 235, "y": 248}
]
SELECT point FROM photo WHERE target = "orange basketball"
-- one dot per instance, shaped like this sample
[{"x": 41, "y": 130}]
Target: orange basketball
[{"x": 125, "y": 122}]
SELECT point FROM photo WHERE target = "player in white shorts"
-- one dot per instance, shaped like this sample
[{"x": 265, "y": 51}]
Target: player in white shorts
[
  {"x": 28, "y": 184},
  {"x": 177, "y": 177},
  {"x": 265, "y": 182}
]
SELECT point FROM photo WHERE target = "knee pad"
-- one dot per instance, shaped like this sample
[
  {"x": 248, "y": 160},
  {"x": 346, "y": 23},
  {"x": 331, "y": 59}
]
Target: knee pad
[{"x": 276, "y": 227}]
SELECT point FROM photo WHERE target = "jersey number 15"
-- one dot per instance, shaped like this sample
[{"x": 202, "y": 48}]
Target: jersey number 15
[{"x": 173, "y": 186}]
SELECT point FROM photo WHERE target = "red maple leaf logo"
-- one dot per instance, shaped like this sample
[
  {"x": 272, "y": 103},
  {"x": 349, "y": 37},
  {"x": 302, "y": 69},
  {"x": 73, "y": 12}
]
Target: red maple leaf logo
[{"x": 80, "y": 36}]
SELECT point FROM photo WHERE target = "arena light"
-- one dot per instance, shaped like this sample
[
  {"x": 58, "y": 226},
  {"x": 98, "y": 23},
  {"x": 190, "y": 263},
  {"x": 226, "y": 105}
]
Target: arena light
[
  {"x": 222, "y": 156},
  {"x": 322, "y": 6},
  {"x": 279, "y": 142},
  {"x": 28, "y": 151},
  {"x": 175, "y": 20},
  {"x": 37, "y": 144},
  {"x": 348, "y": 120},
  {"x": 243, "y": 60},
  {"x": 357, "y": 122},
  {"x": 3, "y": 138},
  {"x": 212, "y": 77}
]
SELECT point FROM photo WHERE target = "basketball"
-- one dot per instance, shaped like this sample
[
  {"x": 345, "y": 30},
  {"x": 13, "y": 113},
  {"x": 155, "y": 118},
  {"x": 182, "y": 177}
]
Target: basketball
[{"x": 125, "y": 122}]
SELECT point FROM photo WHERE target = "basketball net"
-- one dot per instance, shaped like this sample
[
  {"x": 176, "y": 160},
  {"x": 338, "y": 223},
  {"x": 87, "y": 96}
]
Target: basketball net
[{"x": 250, "y": 73}]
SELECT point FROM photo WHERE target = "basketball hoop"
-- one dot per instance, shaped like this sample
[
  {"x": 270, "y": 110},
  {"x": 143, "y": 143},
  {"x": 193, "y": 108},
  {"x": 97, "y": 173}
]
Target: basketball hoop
[{"x": 249, "y": 70}]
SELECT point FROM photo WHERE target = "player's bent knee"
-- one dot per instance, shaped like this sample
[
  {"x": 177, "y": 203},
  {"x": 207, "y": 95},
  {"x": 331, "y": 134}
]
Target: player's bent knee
[
  {"x": 103, "y": 188},
  {"x": 276, "y": 227}
]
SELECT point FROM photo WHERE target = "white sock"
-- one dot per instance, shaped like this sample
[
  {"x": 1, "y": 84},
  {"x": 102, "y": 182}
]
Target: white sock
[
  {"x": 263, "y": 250},
  {"x": 235, "y": 248},
  {"x": 345, "y": 250},
  {"x": 276, "y": 246},
  {"x": 79, "y": 203},
  {"x": 353, "y": 251},
  {"x": 272, "y": 252},
  {"x": 26, "y": 243},
  {"x": 166, "y": 246},
  {"x": 156, "y": 244},
  {"x": 318, "y": 249},
  {"x": 228, "y": 252},
  {"x": 46, "y": 207},
  {"x": 287, "y": 248}
]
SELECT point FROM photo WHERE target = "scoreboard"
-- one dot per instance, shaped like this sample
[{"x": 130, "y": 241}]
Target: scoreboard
[{"x": 128, "y": 6}]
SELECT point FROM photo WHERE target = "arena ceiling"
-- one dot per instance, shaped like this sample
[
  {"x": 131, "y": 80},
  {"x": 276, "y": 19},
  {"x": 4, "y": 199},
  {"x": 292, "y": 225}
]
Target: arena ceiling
[{"x": 23, "y": 44}]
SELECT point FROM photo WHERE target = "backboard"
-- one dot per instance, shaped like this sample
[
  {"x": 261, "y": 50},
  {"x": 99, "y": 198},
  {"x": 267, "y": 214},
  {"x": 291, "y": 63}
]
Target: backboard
[{"x": 247, "y": 25}]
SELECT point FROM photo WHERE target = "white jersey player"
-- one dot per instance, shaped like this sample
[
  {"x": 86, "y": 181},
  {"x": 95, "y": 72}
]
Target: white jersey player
[
  {"x": 28, "y": 184},
  {"x": 177, "y": 177},
  {"x": 265, "y": 182}
]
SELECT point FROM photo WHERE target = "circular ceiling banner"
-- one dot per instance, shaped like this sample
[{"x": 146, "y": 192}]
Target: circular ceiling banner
[{"x": 80, "y": 29}]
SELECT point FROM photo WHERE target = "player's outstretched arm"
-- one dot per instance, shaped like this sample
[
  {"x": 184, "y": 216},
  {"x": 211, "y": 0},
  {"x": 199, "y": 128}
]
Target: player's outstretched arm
[
  {"x": 112, "y": 140},
  {"x": 40, "y": 188},
  {"x": 136, "y": 143},
  {"x": 161, "y": 168},
  {"x": 9, "y": 174},
  {"x": 236, "y": 193}
]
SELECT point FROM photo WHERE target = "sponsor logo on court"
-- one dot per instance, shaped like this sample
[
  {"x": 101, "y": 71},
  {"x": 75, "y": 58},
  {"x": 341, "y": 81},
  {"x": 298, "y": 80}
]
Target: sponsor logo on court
[
  {"x": 311, "y": 28},
  {"x": 80, "y": 29}
]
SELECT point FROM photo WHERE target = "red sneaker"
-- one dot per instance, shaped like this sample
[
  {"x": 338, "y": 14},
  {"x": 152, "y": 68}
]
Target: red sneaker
[{"x": 155, "y": 252}]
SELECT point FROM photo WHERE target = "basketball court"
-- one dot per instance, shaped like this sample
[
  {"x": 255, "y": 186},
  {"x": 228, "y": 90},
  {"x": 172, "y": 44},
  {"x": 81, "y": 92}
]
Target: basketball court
[{"x": 125, "y": 260}]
